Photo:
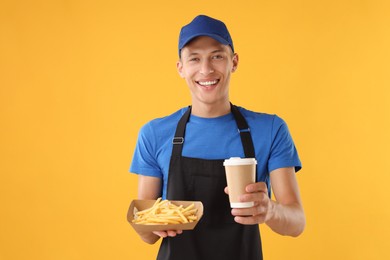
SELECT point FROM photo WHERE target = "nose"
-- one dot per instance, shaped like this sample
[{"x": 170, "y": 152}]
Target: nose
[{"x": 206, "y": 68}]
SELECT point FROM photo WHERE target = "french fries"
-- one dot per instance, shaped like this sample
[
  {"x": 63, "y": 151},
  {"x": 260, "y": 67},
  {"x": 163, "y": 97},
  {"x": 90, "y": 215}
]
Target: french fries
[{"x": 164, "y": 212}]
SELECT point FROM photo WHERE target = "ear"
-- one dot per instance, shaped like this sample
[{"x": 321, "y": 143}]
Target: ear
[
  {"x": 235, "y": 62},
  {"x": 179, "y": 67}
]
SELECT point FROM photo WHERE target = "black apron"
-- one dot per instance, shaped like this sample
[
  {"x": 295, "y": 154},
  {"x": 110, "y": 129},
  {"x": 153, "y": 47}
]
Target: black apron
[{"x": 217, "y": 236}]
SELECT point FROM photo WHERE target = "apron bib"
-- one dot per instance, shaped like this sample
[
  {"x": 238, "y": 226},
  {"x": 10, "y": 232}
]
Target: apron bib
[{"x": 217, "y": 235}]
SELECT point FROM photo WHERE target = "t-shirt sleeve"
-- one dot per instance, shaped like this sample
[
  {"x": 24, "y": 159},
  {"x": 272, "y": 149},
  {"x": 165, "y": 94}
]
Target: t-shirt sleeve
[
  {"x": 283, "y": 152},
  {"x": 144, "y": 160}
]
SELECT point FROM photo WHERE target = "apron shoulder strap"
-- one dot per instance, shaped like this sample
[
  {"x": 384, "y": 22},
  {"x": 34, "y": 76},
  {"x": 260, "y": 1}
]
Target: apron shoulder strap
[
  {"x": 245, "y": 132},
  {"x": 178, "y": 140}
]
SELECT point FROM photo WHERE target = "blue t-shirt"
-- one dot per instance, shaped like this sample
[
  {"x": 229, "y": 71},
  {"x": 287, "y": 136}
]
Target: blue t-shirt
[{"x": 214, "y": 138}]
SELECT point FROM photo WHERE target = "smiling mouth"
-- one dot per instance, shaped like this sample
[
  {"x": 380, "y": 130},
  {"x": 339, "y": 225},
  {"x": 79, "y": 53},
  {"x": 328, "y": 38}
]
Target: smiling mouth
[{"x": 209, "y": 83}]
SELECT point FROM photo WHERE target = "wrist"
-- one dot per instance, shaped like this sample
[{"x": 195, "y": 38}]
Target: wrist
[
  {"x": 272, "y": 212},
  {"x": 149, "y": 237}
]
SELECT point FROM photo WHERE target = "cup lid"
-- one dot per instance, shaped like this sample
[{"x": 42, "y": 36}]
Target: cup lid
[{"x": 239, "y": 161}]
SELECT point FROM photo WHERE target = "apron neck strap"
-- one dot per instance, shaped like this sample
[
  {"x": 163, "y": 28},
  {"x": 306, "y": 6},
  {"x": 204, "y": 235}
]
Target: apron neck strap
[{"x": 242, "y": 126}]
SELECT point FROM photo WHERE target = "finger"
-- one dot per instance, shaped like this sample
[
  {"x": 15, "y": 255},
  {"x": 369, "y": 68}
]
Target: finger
[
  {"x": 256, "y": 196},
  {"x": 226, "y": 190},
  {"x": 257, "y": 187},
  {"x": 160, "y": 233},
  {"x": 259, "y": 219},
  {"x": 178, "y": 232},
  {"x": 167, "y": 233},
  {"x": 252, "y": 211},
  {"x": 171, "y": 233}
]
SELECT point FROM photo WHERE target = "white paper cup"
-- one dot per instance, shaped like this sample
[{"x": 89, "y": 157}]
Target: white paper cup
[{"x": 239, "y": 173}]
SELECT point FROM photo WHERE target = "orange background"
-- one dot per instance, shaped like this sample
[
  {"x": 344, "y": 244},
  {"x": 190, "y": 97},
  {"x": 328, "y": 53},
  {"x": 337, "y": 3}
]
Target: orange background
[{"x": 79, "y": 78}]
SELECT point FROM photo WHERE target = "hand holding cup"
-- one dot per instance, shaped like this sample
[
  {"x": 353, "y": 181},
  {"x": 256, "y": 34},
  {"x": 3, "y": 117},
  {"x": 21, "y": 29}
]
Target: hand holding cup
[{"x": 262, "y": 208}]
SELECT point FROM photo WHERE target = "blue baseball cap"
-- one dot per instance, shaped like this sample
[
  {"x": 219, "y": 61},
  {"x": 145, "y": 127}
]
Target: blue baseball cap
[{"x": 203, "y": 25}]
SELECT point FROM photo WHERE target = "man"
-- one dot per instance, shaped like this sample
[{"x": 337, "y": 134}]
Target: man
[{"x": 180, "y": 157}]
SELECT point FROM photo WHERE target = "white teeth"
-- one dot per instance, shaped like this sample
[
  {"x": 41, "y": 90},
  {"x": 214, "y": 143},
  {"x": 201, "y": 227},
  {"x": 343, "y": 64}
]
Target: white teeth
[{"x": 208, "y": 83}]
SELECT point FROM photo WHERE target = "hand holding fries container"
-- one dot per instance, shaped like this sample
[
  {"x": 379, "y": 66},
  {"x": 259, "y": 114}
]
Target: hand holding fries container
[{"x": 139, "y": 205}]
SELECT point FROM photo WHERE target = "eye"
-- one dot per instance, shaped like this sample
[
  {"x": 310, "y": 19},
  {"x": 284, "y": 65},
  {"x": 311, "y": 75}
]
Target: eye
[
  {"x": 217, "y": 57},
  {"x": 194, "y": 59}
]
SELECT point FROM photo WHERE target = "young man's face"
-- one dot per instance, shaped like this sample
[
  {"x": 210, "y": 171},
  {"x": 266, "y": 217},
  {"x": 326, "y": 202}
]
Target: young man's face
[{"x": 206, "y": 66}]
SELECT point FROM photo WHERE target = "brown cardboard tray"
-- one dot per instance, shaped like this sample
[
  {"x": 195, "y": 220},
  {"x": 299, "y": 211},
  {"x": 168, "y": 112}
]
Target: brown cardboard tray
[{"x": 138, "y": 205}]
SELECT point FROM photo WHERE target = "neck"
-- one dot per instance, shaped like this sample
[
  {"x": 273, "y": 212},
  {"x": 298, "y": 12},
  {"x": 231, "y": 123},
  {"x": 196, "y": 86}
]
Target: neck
[{"x": 211, "y": 110}]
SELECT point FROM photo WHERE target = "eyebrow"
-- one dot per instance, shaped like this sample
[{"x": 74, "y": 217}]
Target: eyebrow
[{"x": 196, "y": 53}]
